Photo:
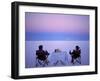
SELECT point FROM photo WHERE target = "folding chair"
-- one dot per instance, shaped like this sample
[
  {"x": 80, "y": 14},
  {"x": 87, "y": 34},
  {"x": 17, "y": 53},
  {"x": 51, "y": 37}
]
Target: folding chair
[
  {"x": 77, "y": 60},
  {"x": 42, "y": 60}
]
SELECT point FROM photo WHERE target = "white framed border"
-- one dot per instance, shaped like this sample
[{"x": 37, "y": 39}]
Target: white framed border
[{"x": 54, "y": 70}]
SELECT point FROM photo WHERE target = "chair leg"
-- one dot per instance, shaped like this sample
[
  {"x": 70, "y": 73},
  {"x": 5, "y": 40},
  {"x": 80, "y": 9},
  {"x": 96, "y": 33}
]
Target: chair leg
[
  {"x": 42, "y": 63},
  {"x": 72, "y": 60},
  {"x": 36, "y": 63},
  {"x": 79, "y": 60}
]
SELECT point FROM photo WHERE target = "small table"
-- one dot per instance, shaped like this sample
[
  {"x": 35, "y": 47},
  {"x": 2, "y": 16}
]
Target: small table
[{"x": 58, "y": 58}]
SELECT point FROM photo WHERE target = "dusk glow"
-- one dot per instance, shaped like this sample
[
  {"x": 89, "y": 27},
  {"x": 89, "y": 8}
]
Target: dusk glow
[{"x": 56, "y": 23}]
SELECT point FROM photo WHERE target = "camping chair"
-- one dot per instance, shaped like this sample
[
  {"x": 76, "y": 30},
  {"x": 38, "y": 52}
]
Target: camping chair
[
  {"x": 77, "y": 60},
  {"x": 42, "y": 59},
  {"x": 76, "y": 56}
]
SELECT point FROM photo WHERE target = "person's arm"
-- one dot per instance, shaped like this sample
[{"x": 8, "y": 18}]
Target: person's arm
[{"x": 47, "y": 53}]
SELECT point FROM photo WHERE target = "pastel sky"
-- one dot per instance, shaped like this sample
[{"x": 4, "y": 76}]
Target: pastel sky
[{"x": 49, "y": 24}]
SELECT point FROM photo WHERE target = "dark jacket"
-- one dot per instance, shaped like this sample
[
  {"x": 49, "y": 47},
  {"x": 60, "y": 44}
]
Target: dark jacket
[{"x": 41, "y": 55}]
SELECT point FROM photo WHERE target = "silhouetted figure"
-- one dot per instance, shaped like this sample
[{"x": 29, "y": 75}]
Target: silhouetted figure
[
  {"x": 42, "y": 56},
  {"x": 75, "y": 54}
]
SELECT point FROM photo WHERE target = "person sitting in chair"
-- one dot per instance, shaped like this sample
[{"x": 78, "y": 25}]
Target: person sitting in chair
[
  {"x": 75, "y": 53},
  {"x": 42, "y": 56}
]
